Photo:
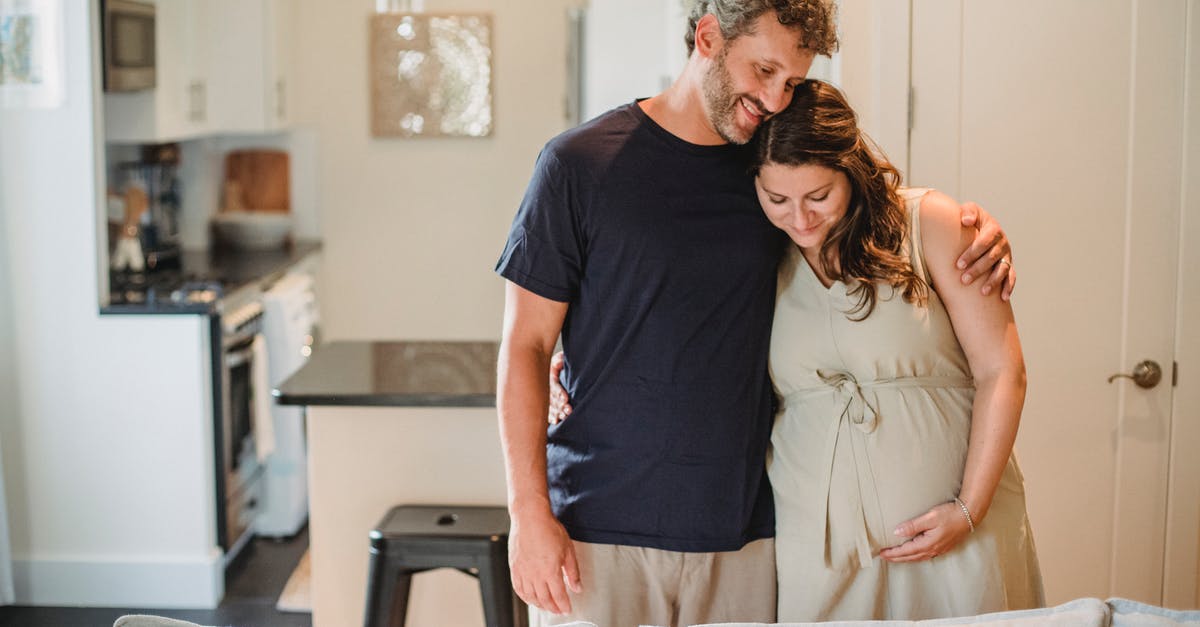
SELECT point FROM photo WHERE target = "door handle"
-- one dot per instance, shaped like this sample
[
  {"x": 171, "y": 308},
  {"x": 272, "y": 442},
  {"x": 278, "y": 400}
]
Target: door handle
[{"x": 1146, "y": 374}]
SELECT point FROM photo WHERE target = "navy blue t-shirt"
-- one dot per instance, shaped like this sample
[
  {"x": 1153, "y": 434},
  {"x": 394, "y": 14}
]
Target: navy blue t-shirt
[{"x": 668, "y": 265}]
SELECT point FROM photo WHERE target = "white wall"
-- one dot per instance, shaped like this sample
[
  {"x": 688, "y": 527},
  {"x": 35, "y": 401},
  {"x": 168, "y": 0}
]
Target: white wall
[
  {"x": 629, "y": 51},
  {"x": 413, "y": 227},
  {"x": 108, "y": 461},
  {"x": 872, "y": 69}
]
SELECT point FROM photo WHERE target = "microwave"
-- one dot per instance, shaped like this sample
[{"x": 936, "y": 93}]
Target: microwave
[{"x": 129, "y": 56}]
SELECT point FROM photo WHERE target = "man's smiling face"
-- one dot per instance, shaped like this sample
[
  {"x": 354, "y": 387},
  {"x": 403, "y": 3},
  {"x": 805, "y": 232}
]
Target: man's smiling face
[{"x": 751, "y": 78}]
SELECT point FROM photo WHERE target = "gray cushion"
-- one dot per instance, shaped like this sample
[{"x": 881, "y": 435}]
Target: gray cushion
[
  {"x": 1078, "y": 613},
  {"x": 142, "y": 620},
  {"x": 1126, "y": 613}
]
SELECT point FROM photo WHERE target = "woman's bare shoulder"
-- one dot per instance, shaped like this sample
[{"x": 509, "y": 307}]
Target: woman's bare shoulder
[{"x": 941, "y": 222}]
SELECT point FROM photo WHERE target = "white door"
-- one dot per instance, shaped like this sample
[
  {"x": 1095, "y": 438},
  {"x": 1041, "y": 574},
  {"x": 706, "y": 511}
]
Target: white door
[{"x": 1068, "y": 120}]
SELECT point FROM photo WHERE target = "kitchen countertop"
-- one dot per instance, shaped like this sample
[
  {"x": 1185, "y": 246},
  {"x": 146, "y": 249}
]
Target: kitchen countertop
[
  {"x": 228, "y": 269},
  {"x": 396, "y": 374}
]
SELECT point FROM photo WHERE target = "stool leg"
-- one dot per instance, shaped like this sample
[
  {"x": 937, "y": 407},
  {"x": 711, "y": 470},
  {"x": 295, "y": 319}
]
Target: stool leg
[
  {"x": 387, "y": 593},
  {"x": 501, "y": 606}
]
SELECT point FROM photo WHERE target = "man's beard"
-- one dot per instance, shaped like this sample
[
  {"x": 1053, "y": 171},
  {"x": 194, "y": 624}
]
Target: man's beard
[{"x": 722, "y": 104}]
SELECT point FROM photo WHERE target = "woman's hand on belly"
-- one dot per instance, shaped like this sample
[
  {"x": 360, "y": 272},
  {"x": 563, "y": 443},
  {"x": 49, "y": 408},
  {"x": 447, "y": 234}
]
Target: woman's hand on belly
[{"x": 933, "y": 533}]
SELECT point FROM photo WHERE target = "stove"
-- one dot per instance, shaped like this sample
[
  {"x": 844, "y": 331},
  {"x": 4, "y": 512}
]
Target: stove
[{"x": 164, "y": 287}]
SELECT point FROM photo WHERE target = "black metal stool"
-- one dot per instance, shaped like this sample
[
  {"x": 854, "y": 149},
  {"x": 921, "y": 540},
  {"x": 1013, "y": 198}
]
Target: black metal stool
[{"x": 415, "y": 538}]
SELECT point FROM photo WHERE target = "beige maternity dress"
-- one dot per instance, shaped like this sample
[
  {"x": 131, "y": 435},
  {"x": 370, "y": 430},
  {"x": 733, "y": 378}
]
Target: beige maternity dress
[{"x": 873, "y": 431}]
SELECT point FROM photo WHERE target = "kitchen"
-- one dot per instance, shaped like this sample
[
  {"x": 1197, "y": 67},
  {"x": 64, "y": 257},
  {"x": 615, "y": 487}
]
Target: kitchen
[
  {"x": 82, "y": 428},
  {"x": 137, "y": 467}
]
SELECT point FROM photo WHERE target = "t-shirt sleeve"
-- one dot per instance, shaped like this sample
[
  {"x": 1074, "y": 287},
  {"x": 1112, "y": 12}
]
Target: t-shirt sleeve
[{"x": 544, "y": 252}]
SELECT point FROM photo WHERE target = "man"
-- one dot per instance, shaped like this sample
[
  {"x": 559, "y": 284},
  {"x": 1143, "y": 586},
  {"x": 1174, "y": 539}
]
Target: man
[{"x": 640, "y": 240}]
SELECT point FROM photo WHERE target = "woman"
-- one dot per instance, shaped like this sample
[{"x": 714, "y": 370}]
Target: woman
[{"x": 897, "y": 495}]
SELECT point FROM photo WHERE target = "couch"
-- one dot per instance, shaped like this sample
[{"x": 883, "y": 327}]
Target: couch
[{"x": 1077, "y": 613}]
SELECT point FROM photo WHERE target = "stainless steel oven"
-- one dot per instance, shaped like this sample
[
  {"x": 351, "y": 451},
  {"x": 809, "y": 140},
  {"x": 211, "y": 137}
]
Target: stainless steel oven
[
  {"x": 129, "y": 46},
  {"x": 241, "y": 384}
]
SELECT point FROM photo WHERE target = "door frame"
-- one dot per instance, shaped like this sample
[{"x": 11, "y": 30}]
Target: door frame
[{"x": 1181, "y": 569}]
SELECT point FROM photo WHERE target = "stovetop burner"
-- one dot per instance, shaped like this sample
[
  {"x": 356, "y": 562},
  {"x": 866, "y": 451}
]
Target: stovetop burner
[{"x": 164, "y": 287}]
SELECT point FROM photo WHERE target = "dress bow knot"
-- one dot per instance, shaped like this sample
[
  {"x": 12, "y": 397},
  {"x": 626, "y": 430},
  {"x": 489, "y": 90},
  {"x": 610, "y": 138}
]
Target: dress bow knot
[{"x": 855, "y": 407}]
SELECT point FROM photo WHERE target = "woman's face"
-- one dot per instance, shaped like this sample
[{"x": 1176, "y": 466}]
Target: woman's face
[{"x": 803, "y": 200}]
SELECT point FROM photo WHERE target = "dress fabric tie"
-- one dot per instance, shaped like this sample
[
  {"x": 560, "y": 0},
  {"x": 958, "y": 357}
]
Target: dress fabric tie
[{"x": 856, "y": 418}]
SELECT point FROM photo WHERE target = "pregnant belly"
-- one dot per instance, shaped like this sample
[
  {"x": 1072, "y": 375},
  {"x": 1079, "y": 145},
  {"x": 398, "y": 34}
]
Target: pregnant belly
[{"x": 851, "y": 482}]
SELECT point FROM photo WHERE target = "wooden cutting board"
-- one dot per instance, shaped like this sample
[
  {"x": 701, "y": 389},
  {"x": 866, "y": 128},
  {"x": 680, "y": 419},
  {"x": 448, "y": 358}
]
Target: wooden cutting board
[{"x": 263, "y": 177}]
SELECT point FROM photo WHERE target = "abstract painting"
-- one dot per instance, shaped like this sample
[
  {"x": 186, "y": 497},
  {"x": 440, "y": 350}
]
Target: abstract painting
[
  {"x": 431, "y": 75},
  {"x": 16, "y": 50},
  {"x": 30, "y": 53}
]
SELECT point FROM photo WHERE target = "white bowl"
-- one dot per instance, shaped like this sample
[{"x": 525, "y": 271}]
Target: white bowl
[{"x": 253, "y": 230}]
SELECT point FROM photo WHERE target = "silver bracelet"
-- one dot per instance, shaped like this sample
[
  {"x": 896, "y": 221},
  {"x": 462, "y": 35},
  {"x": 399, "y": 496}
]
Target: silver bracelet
[{"x": 966, "y": 513}]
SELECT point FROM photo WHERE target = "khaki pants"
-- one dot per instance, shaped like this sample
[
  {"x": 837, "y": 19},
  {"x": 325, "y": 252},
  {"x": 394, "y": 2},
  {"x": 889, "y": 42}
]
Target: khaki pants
[{"x": 627, "y": 586}]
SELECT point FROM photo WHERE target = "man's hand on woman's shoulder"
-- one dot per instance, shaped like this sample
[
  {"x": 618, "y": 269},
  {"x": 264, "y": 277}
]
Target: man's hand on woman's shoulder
[{"x": 989, "y": 255}]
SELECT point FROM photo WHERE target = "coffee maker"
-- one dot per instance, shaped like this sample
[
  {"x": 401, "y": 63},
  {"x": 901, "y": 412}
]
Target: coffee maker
[{"x": 157, "y": 227}]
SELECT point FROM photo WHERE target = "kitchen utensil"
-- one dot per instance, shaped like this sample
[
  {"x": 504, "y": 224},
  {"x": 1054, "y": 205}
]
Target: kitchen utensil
[
  {"x": 252, "y": 230},
  {"x": 128, "y": 253},
  {"x": 232, "y": 197},
  {"x": 264, "y": 179}
]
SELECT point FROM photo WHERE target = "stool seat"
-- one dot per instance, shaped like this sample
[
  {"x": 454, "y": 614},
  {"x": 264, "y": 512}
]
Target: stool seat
[
  {"x": 434, "y": 521},
  {"x": 414, "y": 538}
]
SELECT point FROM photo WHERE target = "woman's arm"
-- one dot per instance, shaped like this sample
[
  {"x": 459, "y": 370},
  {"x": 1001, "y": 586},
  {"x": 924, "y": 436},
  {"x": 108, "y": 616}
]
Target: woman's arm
[{"x": 986, "y": 330}]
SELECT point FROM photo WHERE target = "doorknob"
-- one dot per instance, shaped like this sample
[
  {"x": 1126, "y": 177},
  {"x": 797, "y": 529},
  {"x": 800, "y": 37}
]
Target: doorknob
[{"x": 1146, "y": 374}]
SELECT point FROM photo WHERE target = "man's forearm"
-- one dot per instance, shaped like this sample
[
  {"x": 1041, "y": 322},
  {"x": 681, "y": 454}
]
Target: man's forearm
[
  {"x": 522, "y": 402},
  {"x": 540, "y": 554}
]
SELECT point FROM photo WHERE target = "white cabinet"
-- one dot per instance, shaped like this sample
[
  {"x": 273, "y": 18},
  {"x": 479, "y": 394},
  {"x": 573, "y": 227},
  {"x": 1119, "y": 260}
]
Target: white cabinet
[
  {"x": 223, "y": 68},
  {"x": 178, "y": 107},
  {"x": 251, "y": 55}
]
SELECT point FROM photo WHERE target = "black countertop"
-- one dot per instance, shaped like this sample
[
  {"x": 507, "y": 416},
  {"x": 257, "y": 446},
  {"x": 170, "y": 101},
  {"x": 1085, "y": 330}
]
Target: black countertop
[
  {"x": 396, "y": 374},
  {"x": 206, "y": 275}
]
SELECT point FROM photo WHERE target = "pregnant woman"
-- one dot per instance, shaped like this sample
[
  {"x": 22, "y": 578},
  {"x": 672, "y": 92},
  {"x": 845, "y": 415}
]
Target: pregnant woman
[{"x": 897, "y": 495}]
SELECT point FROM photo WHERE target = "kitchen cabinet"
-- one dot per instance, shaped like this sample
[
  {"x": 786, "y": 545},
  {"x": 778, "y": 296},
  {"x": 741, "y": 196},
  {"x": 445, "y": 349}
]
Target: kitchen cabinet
[
  {"x": 251, "y": 88},
  {"x": 178, "y": 107},
  {"x": 223, "y": 68}
]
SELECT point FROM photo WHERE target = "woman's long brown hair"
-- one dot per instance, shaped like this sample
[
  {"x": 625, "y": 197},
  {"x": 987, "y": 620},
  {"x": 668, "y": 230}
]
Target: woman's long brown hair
[{"x": 867, "y": 244}]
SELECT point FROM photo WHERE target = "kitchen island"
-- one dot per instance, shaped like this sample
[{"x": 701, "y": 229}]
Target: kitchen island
[{"x": 392, "y": 423}]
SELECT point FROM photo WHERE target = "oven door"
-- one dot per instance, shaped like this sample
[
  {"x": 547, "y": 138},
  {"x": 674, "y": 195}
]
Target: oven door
[
  {"x": 242, "y": 469},
  {"x": 129, "y": 46}
]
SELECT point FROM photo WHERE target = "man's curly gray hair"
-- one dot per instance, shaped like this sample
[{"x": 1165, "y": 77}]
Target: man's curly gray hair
[{"x": 814, "y": 19}]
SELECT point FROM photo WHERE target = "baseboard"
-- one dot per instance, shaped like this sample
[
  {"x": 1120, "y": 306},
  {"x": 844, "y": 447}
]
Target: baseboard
[{"x": 166, "y": 583}]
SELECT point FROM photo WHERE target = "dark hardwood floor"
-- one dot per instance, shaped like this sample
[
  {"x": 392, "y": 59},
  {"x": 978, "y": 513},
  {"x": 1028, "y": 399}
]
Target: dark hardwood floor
[{"x": 252, "y": 586}]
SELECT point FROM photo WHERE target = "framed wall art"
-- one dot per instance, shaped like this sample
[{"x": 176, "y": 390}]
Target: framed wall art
[
  {"x": 431, "y": 75},
  {"x": 31, "y": 74}
]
